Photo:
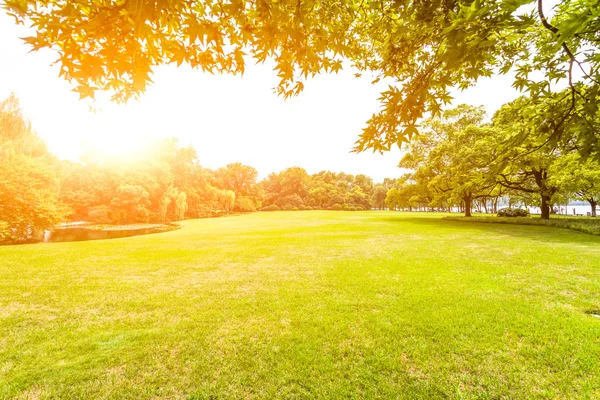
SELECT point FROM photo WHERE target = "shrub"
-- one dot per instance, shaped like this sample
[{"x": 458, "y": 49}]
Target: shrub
[
  {"x": 302, "y": 207},
  {"x": 287, "y": 207},
  {"x": 244, "y": 204},
  {"x": 335, "y": 207},
  {"x": 347, "y": 207},
  {"x": 329, "y": 208},
  {"x": 359, "y": 208},
  {"x": 307, "y": 208},
  {"x": 294, "y": 200},
  {"x": 295, "y": 209},
  {"x": 272, "y": 207},
  {"x": 513, "y": 212}
]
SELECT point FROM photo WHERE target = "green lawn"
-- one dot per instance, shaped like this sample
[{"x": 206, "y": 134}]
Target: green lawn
[
  {"x": 590, "y": 225},
  {"x": 308, "y": 304}
]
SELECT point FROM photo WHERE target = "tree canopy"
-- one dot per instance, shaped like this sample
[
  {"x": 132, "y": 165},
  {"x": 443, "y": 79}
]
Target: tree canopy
[
  {"x": 29, "y": 182},
  {"x": 423, "y": 49}
]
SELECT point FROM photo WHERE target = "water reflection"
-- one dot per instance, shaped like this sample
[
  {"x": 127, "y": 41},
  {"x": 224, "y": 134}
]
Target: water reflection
[{"x": 77, "y": 234}]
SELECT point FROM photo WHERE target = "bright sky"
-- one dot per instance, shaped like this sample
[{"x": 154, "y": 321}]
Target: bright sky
[{"x": 226, "y": 118}]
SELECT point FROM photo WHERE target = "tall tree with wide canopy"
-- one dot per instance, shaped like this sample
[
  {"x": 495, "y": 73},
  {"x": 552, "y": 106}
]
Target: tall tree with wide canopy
[
  {"x": 423, "y": 48},
  {"x": 527, "y": 145},
  {"x": 463, "y": 160},
  {"x": 452, "y": 155}
]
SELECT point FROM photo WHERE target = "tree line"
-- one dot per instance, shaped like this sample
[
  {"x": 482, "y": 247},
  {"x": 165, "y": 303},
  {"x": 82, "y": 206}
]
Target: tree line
[
  {"x": 534, "y": 151},
  {"x": 163, "y": 183}
]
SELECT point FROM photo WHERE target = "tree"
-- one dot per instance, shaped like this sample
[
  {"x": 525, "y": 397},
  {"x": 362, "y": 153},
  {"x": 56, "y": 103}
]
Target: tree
[
  {"x": 452, "y": 157},
  {"x": 463, "y": 159},
  {"x": 115, "y": 46},
  {"x": 379, "y": 196},
  {"x": 526, "y": 153},
  {"x": 227, "y": 200},
  {"x": 180, "y": 206},
  {"x": 293, "y": 199},
  {"x": 392, "y": 199},
  {"x": 244, "y": 204},
  {"x": 365, "y": 183},
  {"x": 129, "y": 205},
  {"x": 578, "y": 177},
  {"x": 358, "y": 198},
  {"x": 28, "y": 178},
  {"x": 28, "y": 197},
  {"x": 237, "y": 177},
  {"x": 293, "y": 180}
]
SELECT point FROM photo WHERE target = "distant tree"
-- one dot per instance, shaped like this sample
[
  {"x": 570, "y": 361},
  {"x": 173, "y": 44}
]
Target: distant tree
[
  {"x": 244, "y": 204},
  {"x": 318, "y": 194},
  {"x": 578, "y": 177},
  {"x": 392, "y": 199},
  {"x": 227, "y": 200},
  {"x": 294, "y": 200},
  {"x": 29, "y": 180},
  {"x": 180, "y": 206},
  {"x": 16, "y": 133},
  {"x": 28, "y": 197},
  {"x": 237, "y": 177},
  {"x": 356, "y": 197},
  {"x": 365, "y": 183},
  {"x": 164, "y": 207},
  {"x": 130, "y": 205},
  {"x": 379, "y": 196},
  {"x": 293, "y": 180}
]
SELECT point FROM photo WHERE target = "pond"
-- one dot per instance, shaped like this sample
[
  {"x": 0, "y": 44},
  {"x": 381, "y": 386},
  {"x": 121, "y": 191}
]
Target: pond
[{"x": 81, "y": 233}]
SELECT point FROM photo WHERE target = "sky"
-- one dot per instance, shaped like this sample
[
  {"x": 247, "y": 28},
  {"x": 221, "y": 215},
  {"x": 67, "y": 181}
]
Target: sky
[{"x": 226, "y": 118}]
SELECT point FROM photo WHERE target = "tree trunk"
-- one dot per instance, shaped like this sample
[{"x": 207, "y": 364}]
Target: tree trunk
[
  {"x": 593, "y": 203},
  {"x": 467, "y": 201},
  {"x": 545, "y": 207}
]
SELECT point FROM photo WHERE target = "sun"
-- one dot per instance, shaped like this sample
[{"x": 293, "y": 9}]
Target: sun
[
  {"x": 118, "y": 146},
  {"x": 115, "y": 134}
]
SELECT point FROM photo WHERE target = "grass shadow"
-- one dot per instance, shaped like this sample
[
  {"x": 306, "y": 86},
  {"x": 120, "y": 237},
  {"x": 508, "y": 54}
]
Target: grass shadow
[{"x": 534, "y": 232}]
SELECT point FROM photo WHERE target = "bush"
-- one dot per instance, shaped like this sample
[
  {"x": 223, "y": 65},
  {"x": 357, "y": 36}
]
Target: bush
[
  {"x": 272, "y": 207},
  {"x": 359, "y": 208},
  {"x": 335, "y": 207},
  {"x": 346, "y": 207},
  {"x": 294, "y": 200},
  {"x": 513, "y": 212},
  {"x": 244, "y": 204},
  {"x": 302, "y": 207},
  {"x": 295, "y": 209},
  {"x": 307, "y": 208},
  {"x": 287, "y": 207}
]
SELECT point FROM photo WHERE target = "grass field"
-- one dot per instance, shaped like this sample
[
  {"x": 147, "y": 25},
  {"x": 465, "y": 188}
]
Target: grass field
[
  {"x": 308, "y": 304},
  {"x": 590, "y": 225}
]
